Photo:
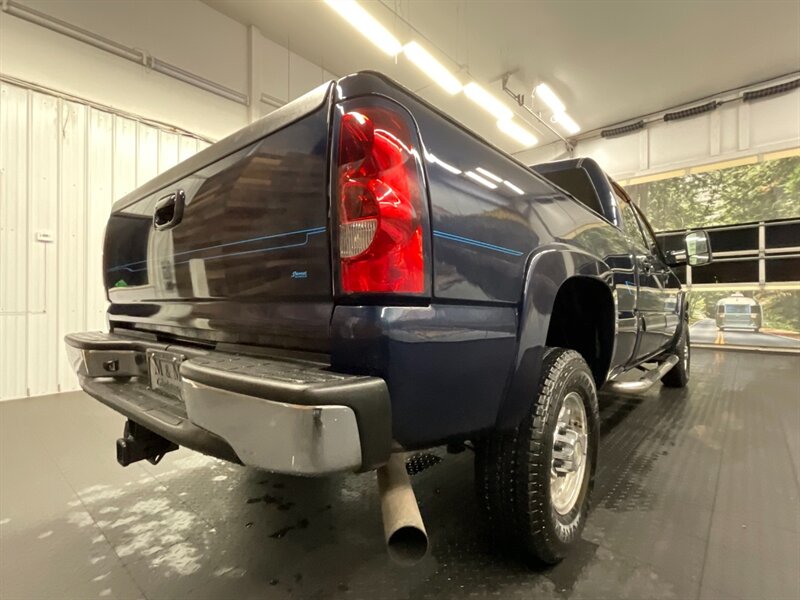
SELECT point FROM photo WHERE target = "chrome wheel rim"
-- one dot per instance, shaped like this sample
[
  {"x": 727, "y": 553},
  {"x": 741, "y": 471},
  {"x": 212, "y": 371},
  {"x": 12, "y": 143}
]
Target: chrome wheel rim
[{"x": 569, "y": 454}]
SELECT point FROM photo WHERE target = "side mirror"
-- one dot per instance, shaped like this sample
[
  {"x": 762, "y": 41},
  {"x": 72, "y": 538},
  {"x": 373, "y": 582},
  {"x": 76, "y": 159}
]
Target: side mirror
[{"x": 696, "y": 251}]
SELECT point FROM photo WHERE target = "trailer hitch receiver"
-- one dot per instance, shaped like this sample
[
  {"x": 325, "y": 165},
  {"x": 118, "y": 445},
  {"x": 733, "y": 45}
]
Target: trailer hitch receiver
[{"x": 139, "y": 443}]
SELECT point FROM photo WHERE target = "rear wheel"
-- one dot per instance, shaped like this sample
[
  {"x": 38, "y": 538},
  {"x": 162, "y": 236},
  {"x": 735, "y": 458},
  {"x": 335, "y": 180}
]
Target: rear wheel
[
  {"x": 678, "y": 376},
  {"x": 533, "y": 482}
]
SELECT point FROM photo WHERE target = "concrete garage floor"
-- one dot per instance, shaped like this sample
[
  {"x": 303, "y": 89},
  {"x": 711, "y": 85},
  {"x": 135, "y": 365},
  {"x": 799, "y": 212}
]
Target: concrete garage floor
[{"x": 697, "y": 496}]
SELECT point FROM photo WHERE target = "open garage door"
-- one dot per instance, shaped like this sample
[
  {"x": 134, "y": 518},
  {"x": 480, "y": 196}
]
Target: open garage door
[{"x": 750, "y": 295}]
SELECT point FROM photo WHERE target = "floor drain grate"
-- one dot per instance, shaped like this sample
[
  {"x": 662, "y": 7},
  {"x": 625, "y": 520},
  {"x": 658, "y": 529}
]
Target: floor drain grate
[{"x": 417, "y": 463}]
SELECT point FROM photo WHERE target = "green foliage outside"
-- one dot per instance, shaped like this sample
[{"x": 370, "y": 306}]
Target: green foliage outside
[
  {"x": 780, "y": 308},
  {"x": 762, "y": 191}
]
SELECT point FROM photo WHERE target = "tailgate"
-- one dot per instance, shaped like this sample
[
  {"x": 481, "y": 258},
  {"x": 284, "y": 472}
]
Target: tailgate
[{"x": 232, "y": 245}]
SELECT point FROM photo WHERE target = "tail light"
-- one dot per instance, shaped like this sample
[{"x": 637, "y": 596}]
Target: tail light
[
  {"x": 380, "y": 203},
  {"x": 754, "y": 310}
]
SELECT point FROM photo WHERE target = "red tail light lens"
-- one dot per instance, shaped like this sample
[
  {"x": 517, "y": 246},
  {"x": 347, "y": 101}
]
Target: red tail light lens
[{"x": 380, "y": 204}]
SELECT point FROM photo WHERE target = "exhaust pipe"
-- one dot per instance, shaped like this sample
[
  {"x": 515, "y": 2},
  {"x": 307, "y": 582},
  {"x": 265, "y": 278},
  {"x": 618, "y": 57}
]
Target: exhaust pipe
[{"x": 406, "y": 539}]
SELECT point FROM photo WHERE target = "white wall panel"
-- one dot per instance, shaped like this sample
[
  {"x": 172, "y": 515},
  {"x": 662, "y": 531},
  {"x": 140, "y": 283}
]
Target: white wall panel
[
  {"x": 71, "y": 240},
  {"x": 62, "y": 165},
  {"x": 99, "y": 197},
  {"x": 693, "y": 134},
  {"x": 616, "y": 154},
  {"x": 124, "y": 158},
  {"x": 13, "y": 240},
  {"x": 167, "y": 150},
  {"x": 146, "y": 153},
  {"x": 774, "y": 119},
  {"x": 186, "y": 147},
  {"x": 729, "y": 128},
  {"x": 303, "y": 75},
  {"x": 275, "y": 71},
  {"x": 42, "y": 272}
]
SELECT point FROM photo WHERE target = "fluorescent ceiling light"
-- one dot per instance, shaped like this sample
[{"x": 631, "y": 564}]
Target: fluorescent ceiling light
[
  {"x": 522, "y": 135},
  {"x": 447, "y": 167},
  {"x": 487, "y": 102},
  {"x": 367, "y": 25},
  {"x": 432, "y": 68},
  {"x": 511, "y": 186},
  {"x": 549, "y": 97},
  {"x": 475, "y": 177},
  {"x": 566, "y": 122},
  {"x": 489, "y": 174}
]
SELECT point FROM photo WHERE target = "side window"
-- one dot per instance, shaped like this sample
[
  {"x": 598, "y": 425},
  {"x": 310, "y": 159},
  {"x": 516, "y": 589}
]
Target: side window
[
  {"x": 647, "y": 232},
  {"x": 631, "y": 226}
]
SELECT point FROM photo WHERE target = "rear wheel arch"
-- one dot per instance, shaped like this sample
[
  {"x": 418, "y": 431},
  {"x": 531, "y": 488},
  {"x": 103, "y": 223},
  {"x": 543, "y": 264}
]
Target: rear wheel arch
[
  {"x": 549, "y": 270},
  {"x": 584, "y": 319}
]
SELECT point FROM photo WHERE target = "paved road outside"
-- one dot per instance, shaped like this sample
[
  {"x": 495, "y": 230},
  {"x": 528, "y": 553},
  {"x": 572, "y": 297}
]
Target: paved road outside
[{"x": 705, "y": 332}]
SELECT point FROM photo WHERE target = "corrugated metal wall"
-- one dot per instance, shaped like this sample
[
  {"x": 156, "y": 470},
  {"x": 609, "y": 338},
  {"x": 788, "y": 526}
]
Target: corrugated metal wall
[{"x": 62, "y": 165}]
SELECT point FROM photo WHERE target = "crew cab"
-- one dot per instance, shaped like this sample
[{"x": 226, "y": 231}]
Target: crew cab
[{"x": 355, "y": 276}]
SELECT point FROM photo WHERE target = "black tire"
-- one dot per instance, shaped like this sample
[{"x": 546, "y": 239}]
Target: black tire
[
  {"x": 512, "y": 469},
  {"x": 678, "y": 376}
]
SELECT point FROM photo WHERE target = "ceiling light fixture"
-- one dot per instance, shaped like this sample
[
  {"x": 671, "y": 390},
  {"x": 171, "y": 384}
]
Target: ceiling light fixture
[
  {"x": 432, "y": 68},
  {"x": 352, "y": 12},
  {"x": 549, "y": 97},
  {"x": 475, "y": 177},
  {"x": 523, "y": 136},
  {"x": 566, "y": 122},
  {"x": 488, "y": 174},
  {"x": 487, "y": 102}
]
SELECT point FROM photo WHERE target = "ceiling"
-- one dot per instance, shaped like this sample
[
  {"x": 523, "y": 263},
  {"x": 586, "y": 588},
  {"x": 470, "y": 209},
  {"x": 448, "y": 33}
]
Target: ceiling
[{"x": 608, "y": 60}]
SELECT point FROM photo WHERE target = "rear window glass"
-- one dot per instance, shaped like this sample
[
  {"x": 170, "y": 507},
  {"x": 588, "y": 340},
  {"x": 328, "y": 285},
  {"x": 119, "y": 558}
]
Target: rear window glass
[
  {"x": 740, "y": 309},
  {"x": 577, "y": 183}
]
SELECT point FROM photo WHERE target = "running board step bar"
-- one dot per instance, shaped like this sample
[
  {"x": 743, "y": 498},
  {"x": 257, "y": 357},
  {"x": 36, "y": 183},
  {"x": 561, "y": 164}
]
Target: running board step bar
[{"x": 646, "y": 382}]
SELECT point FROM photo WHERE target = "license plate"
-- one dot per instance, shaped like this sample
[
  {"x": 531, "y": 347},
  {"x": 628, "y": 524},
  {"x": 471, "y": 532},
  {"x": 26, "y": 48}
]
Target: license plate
[{"x": 165, "y": 372}]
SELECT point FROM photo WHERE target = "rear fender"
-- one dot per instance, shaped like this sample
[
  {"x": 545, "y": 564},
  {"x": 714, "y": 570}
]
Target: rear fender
[{"x": 546, "y": 272}]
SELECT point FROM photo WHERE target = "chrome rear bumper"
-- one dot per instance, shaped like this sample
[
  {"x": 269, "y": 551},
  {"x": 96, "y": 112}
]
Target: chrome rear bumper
[{"x": 279, "y": 414}]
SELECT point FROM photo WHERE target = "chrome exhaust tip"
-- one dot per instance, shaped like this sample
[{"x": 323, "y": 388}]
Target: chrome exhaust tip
[{"x": 404, "y": 531}]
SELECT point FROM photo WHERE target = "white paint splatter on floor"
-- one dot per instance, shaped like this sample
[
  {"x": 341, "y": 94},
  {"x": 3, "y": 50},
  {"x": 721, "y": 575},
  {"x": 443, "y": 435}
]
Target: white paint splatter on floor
[
  {"x": 182, "y": 559},
  {"x": 5, "y": 521},
  {"x": 45, "y": 534},
  {"x": 81, "y": 519},
  {"x": 99, "y": 493}
]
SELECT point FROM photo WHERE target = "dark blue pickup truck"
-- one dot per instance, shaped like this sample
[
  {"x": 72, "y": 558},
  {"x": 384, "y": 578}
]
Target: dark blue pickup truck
[{"x": 356, "y": 276}]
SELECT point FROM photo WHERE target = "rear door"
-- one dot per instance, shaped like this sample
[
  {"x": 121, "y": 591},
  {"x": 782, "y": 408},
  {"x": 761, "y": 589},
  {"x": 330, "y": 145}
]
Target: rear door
[
  {"x": 652, "y": 323},
  {"x": 668, "y": 284}
]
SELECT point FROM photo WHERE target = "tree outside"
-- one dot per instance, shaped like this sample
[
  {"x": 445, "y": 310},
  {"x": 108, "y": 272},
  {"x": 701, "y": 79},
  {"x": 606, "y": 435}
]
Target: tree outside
[{"x": 757, "y": 192}]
